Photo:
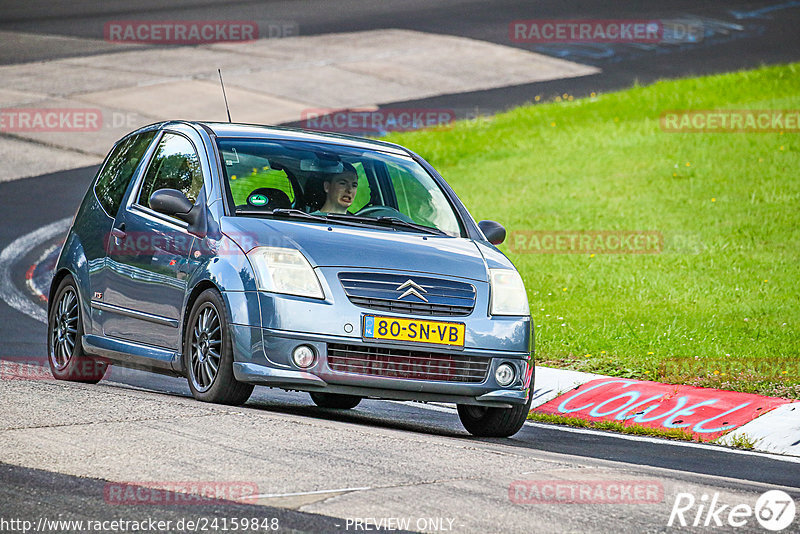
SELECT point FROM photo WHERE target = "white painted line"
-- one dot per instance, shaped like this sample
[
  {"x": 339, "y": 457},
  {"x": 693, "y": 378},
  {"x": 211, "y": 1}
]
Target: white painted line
[
  {"x": 435, "y": 407},
  {"x": 662, "y": 441},
  {"x": 318, "y": 492},
  {"x": 629, "y": 437},
  {"x": 36, "y": 290},
  {"x": 11, "y": 254}
]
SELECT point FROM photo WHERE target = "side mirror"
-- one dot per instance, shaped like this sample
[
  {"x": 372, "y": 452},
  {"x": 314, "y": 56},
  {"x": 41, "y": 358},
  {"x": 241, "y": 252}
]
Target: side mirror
[
  {"x": 174, "y": 203},
  {"x": 171, "y": 202},
  {"x": 494, "y": 231}
]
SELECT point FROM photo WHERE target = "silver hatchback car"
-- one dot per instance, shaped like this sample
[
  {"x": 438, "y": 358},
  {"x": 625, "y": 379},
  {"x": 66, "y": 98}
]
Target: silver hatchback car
[{"x": 240, "y": 255}]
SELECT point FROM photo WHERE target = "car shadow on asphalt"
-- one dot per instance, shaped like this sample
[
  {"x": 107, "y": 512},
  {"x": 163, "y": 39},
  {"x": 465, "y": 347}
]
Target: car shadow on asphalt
[{"x": 371, "y": 412}]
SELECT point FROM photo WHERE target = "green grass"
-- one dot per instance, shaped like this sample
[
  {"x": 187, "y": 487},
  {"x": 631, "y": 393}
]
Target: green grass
[
  {"x": 719, "y": 306},
  {"x": 742, "y": 441}
]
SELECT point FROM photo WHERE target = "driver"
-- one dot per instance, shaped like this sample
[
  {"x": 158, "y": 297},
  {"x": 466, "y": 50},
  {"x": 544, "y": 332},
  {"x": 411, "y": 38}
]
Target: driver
[{"x": 340, "y": 190}]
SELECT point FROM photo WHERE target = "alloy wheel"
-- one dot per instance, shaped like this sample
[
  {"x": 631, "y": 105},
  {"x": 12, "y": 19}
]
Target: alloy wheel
[
  {"x": 206, "y": 344},
  {"x": 65, "y": 329}
]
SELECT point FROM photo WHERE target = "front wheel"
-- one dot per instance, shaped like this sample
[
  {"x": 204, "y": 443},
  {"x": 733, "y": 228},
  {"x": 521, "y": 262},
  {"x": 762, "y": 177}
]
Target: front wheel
[
  {"x": 65, "y": 352},
  {"x": 335, "y": 400},
  {"x": 493, "y": 422},
  {"x": 208, "y": 354}
]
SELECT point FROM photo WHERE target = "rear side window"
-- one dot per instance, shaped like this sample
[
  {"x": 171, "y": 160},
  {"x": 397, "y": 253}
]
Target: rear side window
[
  {"x": 175, "y": 165},
  {"x": 116, "y": 175}
]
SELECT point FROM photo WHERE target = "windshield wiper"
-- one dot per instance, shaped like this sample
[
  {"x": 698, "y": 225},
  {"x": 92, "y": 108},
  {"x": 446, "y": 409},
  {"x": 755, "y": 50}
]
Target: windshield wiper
[
  {"x": 387, "y": 221},
  {"x": 394, "y": 221},
  {"x": 288, "y": 212},
  {"x": 345, "y": 219},
  {"x": 292, "y": 212}
]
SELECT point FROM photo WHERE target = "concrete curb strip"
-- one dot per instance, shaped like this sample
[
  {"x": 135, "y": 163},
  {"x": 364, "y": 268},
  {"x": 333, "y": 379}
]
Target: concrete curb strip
[{"x": 774, "y": 426}]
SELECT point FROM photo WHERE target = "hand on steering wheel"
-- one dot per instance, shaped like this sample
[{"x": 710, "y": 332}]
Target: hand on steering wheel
[{"x": 383, "y": 211}]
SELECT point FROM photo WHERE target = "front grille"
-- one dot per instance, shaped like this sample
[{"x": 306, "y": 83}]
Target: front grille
[
  {"x": 379, "y": 291},
  {"x": 408, "y": 364}
]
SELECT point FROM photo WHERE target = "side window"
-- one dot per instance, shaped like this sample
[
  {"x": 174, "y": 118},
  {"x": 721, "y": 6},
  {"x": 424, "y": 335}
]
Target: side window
[
  {"x": 411, "y": 195},
  {"x": 421, "y": 199},
  {"x": 363, "y": 192},
  {"x": 175, "y": 165},
  {"x": 117, "y": 174}
]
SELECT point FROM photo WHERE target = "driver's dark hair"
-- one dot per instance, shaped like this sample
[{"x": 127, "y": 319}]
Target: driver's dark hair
[{"x": 347, "y": 168}]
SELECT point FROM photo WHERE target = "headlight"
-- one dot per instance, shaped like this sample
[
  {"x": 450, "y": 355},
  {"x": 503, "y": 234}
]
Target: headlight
[
  {"x": 284, "y": 270},
  {"x": 508, "y": 293}
]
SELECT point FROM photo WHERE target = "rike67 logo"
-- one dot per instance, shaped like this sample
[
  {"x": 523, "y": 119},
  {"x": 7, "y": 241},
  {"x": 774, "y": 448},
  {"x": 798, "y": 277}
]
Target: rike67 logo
[{"x": 774, "y": 510}]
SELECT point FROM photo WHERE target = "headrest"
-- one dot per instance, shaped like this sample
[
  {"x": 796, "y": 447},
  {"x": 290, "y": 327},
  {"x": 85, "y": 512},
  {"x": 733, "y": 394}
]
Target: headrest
[{"x": 268, "y": 198}]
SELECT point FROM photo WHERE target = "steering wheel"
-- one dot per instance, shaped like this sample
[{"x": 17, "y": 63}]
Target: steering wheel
[{"x": 383, "y": 211}]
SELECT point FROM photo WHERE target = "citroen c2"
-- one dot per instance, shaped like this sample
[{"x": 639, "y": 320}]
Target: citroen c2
[{"x": 241, "y": 255}]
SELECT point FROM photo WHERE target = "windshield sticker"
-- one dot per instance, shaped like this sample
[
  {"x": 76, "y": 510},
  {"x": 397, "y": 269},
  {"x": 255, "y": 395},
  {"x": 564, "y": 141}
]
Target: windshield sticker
[{"x": 258, "y": 200}]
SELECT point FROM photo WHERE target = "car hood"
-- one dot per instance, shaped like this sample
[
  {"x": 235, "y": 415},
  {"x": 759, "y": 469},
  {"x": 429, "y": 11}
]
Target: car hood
[{"x": 337, "y": 245}]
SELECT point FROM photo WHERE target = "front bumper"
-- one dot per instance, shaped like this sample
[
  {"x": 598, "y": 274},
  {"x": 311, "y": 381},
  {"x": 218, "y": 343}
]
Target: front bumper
[{"x": 266, "y": 360}]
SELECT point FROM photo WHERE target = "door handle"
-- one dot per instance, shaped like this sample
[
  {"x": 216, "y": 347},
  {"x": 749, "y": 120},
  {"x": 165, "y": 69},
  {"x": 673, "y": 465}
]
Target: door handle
[{"x": 118, "y": 234}]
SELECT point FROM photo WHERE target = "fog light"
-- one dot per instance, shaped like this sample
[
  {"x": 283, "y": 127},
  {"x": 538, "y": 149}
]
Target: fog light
[
  {"x": 304, "y": 356},
  {"x": 504, "y": 374}
]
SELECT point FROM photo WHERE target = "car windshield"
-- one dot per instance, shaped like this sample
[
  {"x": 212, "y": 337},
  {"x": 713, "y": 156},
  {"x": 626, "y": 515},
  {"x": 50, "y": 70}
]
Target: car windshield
[{"x": 333, "y": 183}]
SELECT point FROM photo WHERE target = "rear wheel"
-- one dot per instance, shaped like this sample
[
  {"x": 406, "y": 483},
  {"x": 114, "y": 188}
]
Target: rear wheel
[
  {"x": 65, "y": 352},
  {"x": 493, "y": 422},
  {"x": 335, "y": 400},
  {"x": 208, "y": 354}
]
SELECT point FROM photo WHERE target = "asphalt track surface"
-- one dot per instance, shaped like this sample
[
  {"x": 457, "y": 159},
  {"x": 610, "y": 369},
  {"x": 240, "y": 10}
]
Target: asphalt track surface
[
  {"x": 769, "y": 36},
  {"x": 55, "y": 494},
  {"x": 33, "y": 493},
  {"x": 739, "y": 34}
]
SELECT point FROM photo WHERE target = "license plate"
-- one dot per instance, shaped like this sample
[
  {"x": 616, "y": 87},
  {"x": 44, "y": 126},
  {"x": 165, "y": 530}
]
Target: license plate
[{"x": 414, "y": 330}]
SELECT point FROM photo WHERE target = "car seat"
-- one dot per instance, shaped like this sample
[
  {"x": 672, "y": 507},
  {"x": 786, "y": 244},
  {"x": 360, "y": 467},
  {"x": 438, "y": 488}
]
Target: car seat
[{"x": 268, "y": 198}]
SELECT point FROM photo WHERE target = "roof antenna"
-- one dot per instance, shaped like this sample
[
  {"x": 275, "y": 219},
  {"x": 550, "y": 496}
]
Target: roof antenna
[{"x": 223, "y": 95}]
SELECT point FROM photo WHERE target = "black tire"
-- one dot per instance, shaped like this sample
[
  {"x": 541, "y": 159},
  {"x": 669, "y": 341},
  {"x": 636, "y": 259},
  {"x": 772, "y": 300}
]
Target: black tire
[
  {"x": 65, "y": 352},
  {"x": 493, "y": 422},
  {"x": 208, "y": 354},
  {"x": 335, "y": 400}
]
